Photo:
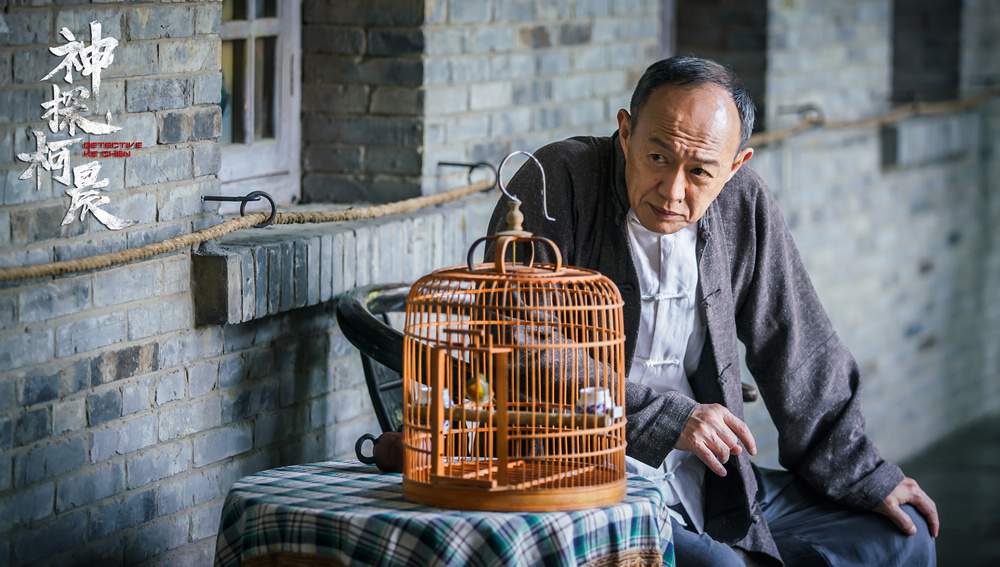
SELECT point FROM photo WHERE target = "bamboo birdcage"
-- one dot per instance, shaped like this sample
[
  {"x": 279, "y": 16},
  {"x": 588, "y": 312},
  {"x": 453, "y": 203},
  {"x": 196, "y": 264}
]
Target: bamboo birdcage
[{"x": 514, "y": 382}]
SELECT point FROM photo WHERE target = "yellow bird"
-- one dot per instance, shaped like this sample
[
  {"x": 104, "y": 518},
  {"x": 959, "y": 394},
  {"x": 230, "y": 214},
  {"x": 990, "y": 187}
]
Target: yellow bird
[{"x": 478, "y": 389}]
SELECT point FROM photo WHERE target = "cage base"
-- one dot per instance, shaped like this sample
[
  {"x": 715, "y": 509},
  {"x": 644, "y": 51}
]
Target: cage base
[{"x": 527, "y": 491}]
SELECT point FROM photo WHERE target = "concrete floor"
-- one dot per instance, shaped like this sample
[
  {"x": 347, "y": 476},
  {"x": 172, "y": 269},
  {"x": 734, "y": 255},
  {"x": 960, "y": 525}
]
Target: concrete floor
[{"x": 962, "y": 474}]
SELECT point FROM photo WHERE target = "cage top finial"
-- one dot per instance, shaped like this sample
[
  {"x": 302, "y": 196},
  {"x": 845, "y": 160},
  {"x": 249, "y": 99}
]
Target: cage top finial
[{"x": 515, "y": 213}]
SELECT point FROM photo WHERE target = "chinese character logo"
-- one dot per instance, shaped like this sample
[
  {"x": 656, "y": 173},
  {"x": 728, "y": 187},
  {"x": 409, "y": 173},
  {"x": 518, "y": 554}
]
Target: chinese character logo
[{"x": 67, "y": 111}]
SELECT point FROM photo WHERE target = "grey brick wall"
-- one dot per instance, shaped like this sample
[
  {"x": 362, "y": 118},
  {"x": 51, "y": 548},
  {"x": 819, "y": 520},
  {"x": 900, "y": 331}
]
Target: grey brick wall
[
  {"x": 833, "y": 54},
  {"x": 94, "y": 379},
  {"x": 980, "y": 69},
  {"x": 391, "y": 91},
  {"x": 502, "y": 76},
  {"x": 361, "y": 105}
]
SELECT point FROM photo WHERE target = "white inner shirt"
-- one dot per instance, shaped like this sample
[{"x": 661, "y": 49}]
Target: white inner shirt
[{"x": 668, "y": 347}]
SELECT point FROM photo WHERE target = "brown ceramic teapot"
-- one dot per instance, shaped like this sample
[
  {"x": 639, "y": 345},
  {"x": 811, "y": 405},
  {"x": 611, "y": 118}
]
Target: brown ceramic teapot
[{"x": 387, "y": 451}]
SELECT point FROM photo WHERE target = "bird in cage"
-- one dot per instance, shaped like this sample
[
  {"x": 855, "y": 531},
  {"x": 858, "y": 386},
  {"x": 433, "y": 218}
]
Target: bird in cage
[{"x": 478, "y": 390}]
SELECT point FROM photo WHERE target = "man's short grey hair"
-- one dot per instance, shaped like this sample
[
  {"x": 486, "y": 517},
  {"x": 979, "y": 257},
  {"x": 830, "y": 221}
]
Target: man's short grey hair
[{"x": 684, "y": 70}]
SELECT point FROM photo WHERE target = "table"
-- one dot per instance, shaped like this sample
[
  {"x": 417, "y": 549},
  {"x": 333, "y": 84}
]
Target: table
[{"x": 346, "y": 513}]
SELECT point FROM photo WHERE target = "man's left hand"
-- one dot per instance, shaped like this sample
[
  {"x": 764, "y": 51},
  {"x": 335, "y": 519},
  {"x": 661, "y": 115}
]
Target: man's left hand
[{"x": 909, "y": 492}]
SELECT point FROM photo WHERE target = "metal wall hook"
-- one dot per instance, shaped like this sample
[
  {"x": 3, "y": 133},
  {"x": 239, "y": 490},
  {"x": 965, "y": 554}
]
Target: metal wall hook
[
  {"x": 808, "y": 112},
  {"x": 472, "y": 166},
  {"x": 503, "y": 187},
  {"x": 249, "y": 197}
]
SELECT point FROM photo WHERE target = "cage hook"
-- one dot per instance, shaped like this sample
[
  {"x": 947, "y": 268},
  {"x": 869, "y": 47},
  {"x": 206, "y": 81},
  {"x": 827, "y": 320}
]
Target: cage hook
[
  {"x": 503, "y": 186},
  {"x": 251, "y": 196}
]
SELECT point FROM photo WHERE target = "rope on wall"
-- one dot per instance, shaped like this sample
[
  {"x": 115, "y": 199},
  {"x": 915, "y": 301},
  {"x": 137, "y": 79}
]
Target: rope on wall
[
  {"x": 809, "y": 123},
  {"x": 233, "y": 225},
  {"x": 897, "y": 114}
]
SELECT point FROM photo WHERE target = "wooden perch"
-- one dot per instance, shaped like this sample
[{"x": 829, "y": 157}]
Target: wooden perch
[{"x": 486, "y": 416}]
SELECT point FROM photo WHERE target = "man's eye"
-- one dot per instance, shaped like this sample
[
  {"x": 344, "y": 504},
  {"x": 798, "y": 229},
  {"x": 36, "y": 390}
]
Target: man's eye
[
  {"x": 700, "y": 172},
  {"x": 657, "y": 158}
]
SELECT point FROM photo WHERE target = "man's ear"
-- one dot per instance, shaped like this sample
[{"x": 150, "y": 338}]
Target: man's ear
[
  {"x": 624, "y": 129},
  {"x": 742, "y": 157}
]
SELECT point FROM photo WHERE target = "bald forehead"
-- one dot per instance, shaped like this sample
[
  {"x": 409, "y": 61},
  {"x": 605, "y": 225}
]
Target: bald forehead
[{"x": 706, "y": 109}]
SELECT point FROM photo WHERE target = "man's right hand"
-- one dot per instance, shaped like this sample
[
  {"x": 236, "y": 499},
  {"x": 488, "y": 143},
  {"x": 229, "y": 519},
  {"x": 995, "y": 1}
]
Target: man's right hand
[{"x": 713, "y": 433}]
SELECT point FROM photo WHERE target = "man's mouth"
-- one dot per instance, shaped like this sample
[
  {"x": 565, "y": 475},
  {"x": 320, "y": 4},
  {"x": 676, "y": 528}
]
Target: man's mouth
[{"x": 665, "y": 214}]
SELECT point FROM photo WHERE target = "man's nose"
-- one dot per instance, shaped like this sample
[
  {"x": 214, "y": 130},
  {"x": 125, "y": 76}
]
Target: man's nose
[{"x": 673, "y": 185}]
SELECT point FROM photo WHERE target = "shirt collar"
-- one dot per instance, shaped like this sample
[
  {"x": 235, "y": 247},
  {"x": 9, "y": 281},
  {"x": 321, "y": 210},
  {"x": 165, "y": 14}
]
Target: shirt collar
[{"x": 642, "y": 231}]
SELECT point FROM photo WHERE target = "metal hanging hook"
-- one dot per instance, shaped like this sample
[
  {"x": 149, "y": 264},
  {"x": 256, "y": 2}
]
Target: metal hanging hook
[
  {"x": 472, "y": 166},
  {"x": 251, "y": 196},
  {"x": 503, "y": 186},
  {"x": 808, "y": 112}
]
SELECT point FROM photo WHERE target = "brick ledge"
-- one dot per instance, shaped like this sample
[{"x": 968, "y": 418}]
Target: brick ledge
[{"x": 255, "y": 273}]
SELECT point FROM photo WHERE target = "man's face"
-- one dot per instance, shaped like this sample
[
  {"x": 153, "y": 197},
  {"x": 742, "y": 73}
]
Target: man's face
[{"x": 681, "y": 152}]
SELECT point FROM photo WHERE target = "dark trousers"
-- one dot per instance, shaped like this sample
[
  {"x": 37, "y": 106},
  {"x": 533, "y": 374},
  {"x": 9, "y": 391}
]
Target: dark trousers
[{"x": 810, "y": 530}]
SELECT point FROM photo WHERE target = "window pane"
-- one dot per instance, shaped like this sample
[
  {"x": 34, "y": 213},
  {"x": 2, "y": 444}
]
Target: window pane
[
  {"x": 265, "y": 8},
  {"x": 233, "y": 100},
  {"x": 264, "y": 77},
  {"x": 234, "y": 10}
]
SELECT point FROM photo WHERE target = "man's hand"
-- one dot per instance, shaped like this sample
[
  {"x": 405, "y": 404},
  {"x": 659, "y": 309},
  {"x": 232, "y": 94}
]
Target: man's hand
[
  {"x": 909, "y": 492},
  {"x": 713, "y": 433}
]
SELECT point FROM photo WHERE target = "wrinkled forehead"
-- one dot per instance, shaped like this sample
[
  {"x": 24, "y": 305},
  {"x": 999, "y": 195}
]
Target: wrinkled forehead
[{"x": 703, "y": 112}]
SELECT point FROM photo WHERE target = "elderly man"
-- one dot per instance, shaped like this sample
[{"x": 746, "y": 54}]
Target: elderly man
[{"x": 698, "y": 248}]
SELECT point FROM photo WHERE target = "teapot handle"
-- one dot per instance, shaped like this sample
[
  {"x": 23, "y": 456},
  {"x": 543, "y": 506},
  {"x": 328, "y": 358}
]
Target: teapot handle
[{"x": 360, "y": 443}]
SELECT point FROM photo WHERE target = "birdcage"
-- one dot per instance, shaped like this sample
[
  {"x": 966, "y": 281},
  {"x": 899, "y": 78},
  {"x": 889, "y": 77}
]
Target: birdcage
[{"x": 513, "y": 381}]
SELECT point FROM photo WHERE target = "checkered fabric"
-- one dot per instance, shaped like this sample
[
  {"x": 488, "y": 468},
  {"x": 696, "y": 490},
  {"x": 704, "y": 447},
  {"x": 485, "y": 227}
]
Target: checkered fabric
[{"x": 355, "y": 515}]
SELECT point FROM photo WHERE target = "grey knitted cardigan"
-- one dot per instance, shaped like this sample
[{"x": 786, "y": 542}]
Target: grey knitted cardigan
[{"x": 752, "y": 288}]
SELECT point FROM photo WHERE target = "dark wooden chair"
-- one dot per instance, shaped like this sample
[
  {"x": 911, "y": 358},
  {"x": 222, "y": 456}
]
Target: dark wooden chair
[{"x": 364, "y": 319}]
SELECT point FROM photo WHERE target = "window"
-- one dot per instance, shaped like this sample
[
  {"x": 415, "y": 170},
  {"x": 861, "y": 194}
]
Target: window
[
  {"x": 732, "y": 32},
  {"x": 926, "y": 49},
  {"x": 261, "y": 98}
]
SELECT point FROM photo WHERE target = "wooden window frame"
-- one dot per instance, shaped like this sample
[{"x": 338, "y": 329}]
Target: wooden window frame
[{"x": 272, "y": 165}]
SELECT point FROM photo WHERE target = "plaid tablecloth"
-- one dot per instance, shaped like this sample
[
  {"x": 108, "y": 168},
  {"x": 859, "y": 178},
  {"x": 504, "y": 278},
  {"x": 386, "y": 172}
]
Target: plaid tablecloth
[{"x": 351, "y": 514}]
